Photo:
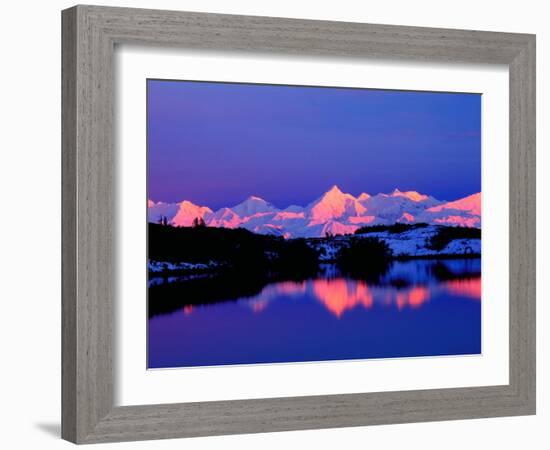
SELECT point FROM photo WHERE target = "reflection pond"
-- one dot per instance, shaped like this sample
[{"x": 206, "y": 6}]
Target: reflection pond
[{"x": 414, "y": 308}]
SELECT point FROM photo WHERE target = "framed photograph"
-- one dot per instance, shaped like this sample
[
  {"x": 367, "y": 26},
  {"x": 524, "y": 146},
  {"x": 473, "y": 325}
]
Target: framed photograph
[{"x": 278, "y": 224}]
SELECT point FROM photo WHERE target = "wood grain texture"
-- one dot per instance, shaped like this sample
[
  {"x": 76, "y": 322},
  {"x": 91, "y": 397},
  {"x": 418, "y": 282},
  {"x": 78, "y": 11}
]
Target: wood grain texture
[
  {"x": 523, "y": 224},
  {"x": 89, "y": 36},
  {"x": 68, "y": 225}
]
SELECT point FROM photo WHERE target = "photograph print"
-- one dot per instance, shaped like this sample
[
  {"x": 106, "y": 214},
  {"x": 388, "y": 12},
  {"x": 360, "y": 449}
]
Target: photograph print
[{"x": 293, "y": 224}]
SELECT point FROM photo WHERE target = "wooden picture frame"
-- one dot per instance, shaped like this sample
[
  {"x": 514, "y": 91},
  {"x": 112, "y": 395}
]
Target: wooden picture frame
[{"x": 90, "y": 34}]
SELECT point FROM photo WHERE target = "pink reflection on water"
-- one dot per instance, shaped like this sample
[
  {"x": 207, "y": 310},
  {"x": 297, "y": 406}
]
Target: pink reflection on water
[
  {"x": 284, "y": 288},
  {"x": 465, "y": 288},
  {"x": 291, "y": 287},
  {"x": 339, "y": 295},
  {"x": 259, "y": 305},
  {"x": 414, "y": 297}
]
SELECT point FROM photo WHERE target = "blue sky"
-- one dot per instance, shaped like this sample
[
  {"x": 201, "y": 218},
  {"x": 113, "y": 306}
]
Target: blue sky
[{"x": 218, "y": 143}]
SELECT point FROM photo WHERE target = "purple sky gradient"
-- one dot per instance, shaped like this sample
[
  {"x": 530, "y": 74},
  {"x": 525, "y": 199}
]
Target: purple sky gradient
[{"x": 217, "y": 143}]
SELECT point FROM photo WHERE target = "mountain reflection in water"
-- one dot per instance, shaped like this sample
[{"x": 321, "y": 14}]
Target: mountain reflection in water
[
  {"x": 415, "y": 308},
  {"x": 341, "y": 294}
]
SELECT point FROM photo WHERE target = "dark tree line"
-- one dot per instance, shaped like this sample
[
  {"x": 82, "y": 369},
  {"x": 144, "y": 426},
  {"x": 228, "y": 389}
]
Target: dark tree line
[
  {"x": 393, "y": 229},
  {"x": 231, "y": 248},
  {"x": 445, "y": 235},
  {"x": 365, "y": 258},
  {"x": 197, "y": 222}
]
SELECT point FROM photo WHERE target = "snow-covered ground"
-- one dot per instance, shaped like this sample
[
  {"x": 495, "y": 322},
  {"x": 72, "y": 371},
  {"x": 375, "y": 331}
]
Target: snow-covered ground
[
  {"x": 163, "y": 266},
  {"x": 411, "y": 243}
]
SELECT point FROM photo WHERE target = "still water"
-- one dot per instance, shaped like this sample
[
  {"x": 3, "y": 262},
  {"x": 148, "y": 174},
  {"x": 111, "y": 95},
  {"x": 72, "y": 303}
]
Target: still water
[{"x": 415, "y": 308}]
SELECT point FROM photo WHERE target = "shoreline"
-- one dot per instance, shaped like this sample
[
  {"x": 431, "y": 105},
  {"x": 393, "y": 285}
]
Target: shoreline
[{"x": 221, "y": 270}]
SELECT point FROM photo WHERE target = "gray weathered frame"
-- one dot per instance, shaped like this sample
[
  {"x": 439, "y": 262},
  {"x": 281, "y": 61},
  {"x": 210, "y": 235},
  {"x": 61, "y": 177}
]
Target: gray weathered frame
[{"x": 89, "y": 36}]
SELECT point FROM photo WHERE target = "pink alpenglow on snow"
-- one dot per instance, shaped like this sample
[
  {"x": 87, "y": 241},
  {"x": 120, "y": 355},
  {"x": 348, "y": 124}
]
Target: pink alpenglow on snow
[
  {"x": 406, "y": 218},
  {"x": 471, "y": 204},
  {"x": 334, "y": 204},
  {"x": 288, "y": 215},
  {"x": 411, "y": 195},
  {"x": 224, "y": 218},
  {"x": 465, "y": 212},
  {"x": 335, "y": 213},
  {"x": 362, "y": 220},
  {"x": 187, "y": 212}
]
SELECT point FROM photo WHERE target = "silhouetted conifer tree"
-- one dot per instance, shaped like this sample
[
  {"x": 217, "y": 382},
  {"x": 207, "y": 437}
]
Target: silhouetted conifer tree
[{"x": 198, "y": 222}]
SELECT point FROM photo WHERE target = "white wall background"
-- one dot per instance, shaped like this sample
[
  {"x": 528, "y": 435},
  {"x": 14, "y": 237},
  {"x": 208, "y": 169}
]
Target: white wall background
[{"x": 30, "y": 224}]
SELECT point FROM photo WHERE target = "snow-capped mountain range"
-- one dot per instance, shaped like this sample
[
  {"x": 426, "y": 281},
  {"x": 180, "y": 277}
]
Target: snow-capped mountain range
[{"x": 335, "y": 212}]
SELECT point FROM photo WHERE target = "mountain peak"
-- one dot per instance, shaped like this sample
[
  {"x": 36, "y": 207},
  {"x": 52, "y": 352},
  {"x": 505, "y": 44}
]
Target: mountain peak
[
  {"x": 335, "y": 196},
  {"x": 187, "y": 203},
  {"x": 253, "y": 205},
  {"x": 411, "y": 195},
  {"x": 334, "y": 191},
  {"x": 335, "y": 188},
  {"x": 187, "y": 212},
  {"x": 334, "y": 204},
  {"x": 255, "y": 199},
  {"x": 363, "y": 196},
  {"x": 471, "y": 203},
  {"x": 464, "y": 212}
]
